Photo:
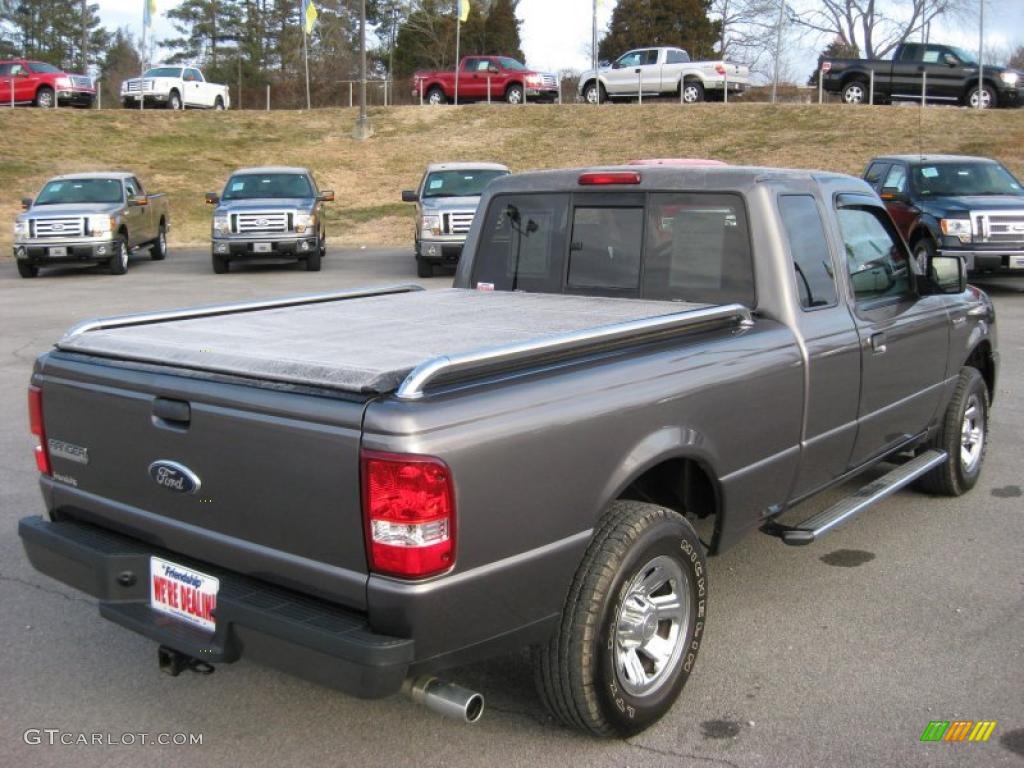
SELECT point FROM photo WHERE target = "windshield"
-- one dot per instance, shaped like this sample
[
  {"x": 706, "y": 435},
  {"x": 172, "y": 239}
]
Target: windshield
[
  {"x": 466, "y": 183},
  {"x": 40, "y": 68},
  {"x": 507, "y": 63},
  {"x": 964, "y": 56},
  {"x": 250, "y": 186},
  {"x": 163, "y": 72},
  {"x": 80, "y": 191},
  {"x": 961, "y": 179}
]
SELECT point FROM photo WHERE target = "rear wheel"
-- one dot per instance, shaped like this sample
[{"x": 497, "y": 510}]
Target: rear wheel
[
  {"x": 27, "y": 269},
  {"x": 963, "y": 435},
  {"x": 693, "y": 92},
  {"x": 632, "y": 623},
  {"x": 45, "y": 98},
  {"x": 158, "y": 251},
  {"x": 220, "y": 264},
  {"x": 855, "y": 92},
  {"x": 119, "y": 261},
  {"x": 436, "y": 96},
  {"x": 174, "y": 101}
]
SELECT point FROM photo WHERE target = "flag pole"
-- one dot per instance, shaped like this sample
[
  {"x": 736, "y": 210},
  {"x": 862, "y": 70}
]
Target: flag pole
[
  {"x": 458, "y": 41},
  {"x": 305, "y": 52}
]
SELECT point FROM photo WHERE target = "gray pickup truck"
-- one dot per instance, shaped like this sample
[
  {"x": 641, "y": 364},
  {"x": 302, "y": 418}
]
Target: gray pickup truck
[
  {"x": 90, "y": 218},
  {"x": 269, "y": 212},
  {"x": 635, "y": 367},
  {"x": 446, "y": 202}
]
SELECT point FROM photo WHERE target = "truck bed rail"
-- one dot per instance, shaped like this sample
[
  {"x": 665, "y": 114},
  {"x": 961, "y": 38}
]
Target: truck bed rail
[
  {"x": 479, "y": 362},
  {"x": 145, "y": 318}
]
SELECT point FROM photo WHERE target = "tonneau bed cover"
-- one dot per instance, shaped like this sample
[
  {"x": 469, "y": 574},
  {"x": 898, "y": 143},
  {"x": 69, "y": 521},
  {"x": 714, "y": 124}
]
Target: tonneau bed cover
[{"x": 366, "y": 344}]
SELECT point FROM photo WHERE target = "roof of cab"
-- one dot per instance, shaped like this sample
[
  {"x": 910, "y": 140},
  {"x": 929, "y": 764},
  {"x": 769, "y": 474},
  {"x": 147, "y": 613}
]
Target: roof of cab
[
  {"x": 466, "y": 166},
  {"x": 94, "y": 175},
  {"x": 935, "y": 158},
  {"x": 272, "y": 169}
]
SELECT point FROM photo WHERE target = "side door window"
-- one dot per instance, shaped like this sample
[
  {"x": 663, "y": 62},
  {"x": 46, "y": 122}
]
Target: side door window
[
  {"x": 131, "y": 189},
  {"x": 896, "y": 179},
  {"x": 138, "y": 185},
  {"x": 812, "y": 262},
  {"x": 877, "y": 259},
  {"x": 876, "y": 175}
]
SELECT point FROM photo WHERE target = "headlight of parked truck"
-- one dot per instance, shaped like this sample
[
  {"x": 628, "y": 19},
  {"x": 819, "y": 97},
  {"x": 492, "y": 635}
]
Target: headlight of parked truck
[
  {"x": 430, "y": 225},
  {"x": 956, "y": 228},
  {"x": 304, "y": 221},
  {"x": 221, "y": 225},
  {"x": 100, "y": 226}
]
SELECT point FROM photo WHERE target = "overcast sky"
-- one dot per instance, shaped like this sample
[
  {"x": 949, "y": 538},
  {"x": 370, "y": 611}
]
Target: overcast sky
[{"x": 556, "y": 33}]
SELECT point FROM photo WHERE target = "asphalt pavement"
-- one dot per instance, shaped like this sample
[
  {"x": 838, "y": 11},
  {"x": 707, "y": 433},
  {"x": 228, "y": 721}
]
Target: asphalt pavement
[{"x": 836, "y": 654}]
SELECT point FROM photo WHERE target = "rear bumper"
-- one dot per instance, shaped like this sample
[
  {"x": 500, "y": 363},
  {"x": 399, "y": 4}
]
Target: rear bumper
[
  {"x": 246, "y": 248},
  {"x": 77, "y": 252},
  {"x": 301, "y": 635}
]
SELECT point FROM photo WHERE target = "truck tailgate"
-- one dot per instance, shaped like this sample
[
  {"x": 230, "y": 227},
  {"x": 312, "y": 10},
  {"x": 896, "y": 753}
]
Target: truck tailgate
[{"x": 277, "y": 472}]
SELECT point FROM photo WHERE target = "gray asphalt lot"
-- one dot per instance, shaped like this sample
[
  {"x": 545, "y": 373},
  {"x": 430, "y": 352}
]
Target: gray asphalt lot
[{"x": 836, "y": 654}]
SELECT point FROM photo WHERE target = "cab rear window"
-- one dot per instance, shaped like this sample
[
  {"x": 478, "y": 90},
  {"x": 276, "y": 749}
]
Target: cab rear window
[{"x": 673, "y": 246}]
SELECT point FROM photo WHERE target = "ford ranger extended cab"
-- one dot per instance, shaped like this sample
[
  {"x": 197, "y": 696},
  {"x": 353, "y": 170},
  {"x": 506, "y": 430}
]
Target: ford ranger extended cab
[
  {"x": 952, "y": 78},
  {"x": 635, "y": 366},
  {"x": 662, "y": 72},
  {"x": 970, "y": 207},
  {"x": 269, "y": 212},
  {"x": 174, "y": 88},
  {"x": 446, "y": 202},
  {"x": 90, "y": 218},
  {"x": 485, "y": 78}
]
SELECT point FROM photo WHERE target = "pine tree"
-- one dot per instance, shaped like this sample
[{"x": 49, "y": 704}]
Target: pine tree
[
  {"x": 121, "y": 61},
  {"x": 502, "y": 30},
  {"x": 54, "y": 31},
  {"x": 643, "y": 23}
]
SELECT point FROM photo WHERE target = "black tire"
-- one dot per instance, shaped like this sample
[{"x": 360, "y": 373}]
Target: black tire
[
  {"x": 594, "y": 93},
  {"x": 313, "y": 261},
  {"x": 989, "y": 100},
  {"x": 221, "y": 265},
  {"x": 27, "y": 269},
  {"x": 218, "y": 104},
  {"x": 578, "y": 671},
  {"x": 924, "y": 250},
  {"x": 119, "y": 261},
  {"x": 126, "y": 104},
  {"x": 855, "y": 92},
  {"x": 958, "y": 475},
  {"x": 514, "y": 94},
  {"x": 45, "y": 98},
  {"x": 436, "y": 96},
  {"x": 158, "y": 250},
  {"x": 424, "y": 268},
  {"x": 174, "y": 101},
  {"x": 693, "y": 92}
]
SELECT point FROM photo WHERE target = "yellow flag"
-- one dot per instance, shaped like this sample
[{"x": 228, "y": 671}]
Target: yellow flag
[
  {"x": 309, "y": 16},
  {"x": 463, "y": 10}
]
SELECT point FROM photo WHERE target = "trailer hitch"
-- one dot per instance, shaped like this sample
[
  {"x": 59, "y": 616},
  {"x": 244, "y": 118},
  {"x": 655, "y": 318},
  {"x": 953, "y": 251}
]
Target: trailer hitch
[{"x": 174, "y": 662}]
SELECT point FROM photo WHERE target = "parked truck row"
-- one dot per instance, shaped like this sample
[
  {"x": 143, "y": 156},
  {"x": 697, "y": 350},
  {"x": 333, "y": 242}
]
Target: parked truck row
[{"x": 635, "y": 367}]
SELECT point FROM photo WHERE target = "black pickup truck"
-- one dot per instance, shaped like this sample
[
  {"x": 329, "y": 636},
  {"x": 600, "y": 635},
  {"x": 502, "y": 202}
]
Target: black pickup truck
[
  {"x": 971, "y": 207},
  {"x": 635, "y": 367},
  {"x": 948, "y": 74}
]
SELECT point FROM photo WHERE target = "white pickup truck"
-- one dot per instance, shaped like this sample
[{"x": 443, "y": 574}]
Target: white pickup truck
[
  {"x": 662, "y": 72},
  {"x": 174, "y": 88}
]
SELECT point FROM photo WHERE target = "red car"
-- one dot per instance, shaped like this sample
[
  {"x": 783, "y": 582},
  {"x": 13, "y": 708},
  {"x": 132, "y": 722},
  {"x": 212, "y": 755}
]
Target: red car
[
  {"x": 485, "y": 78},
  {"x": 23, "y": 81}
]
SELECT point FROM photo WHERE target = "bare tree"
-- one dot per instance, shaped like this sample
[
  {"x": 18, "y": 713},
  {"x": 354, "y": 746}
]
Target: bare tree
[{"x": 876, "y": 27}]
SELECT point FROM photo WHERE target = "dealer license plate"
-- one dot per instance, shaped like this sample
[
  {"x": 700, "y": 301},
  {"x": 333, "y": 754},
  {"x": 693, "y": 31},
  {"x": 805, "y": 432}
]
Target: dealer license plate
[
  {"x": 183, "y": 593},
  {"x": 262, "y": 247},
  {"x": 1017, "y": 262},
  {"x": 57, "y": 251}
]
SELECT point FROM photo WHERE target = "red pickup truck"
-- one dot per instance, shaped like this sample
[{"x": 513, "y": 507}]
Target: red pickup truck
[
  {"x": 485, "y": 78},
  {"x": 23, "y": 81}
]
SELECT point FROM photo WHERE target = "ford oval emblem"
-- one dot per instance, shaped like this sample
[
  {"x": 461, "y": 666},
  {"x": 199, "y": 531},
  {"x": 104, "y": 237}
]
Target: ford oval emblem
[
  {"x": 174, "y": 476},
  {"x": 57, "y": 227},
  {"x": 262, "y": 222}
]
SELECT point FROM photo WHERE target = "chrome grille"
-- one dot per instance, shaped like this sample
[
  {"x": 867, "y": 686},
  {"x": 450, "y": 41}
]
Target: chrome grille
[
  {"x": 261, "y": 222},
  {"x": 140, "y": 85},
  {"x": 549, "y": 81},
  {"x": 63, "y": 227},
  {"x": 458, "y": 223},
  {"x": 79, "y": 81},
  {"x": 999, "y": 226}
]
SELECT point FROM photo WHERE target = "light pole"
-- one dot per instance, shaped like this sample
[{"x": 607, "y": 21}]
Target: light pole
[
  {"x": 778, "y": 49},
  {"x": 363, "y": 129}
]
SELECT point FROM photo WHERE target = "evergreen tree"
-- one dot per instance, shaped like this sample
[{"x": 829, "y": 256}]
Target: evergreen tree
[
  {"x": 502, "y": 30},
  {"x": 641, "y": 23},
  {"x": 66, "y": 34},
  {"x": 121, "y": 61},
  {"x": 209, "y": 29},
  {"x": 837, "y": 49}
]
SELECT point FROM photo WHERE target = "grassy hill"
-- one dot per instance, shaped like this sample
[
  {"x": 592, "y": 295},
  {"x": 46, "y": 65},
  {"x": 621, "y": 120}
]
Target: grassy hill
[{"x": 187, "y": 154}]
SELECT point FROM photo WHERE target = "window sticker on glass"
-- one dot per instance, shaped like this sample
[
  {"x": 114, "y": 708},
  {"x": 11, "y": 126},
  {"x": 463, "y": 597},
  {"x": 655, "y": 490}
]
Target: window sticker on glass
[
  {"x": 930, "y": 172},
  {"x": 436, "y": 183},
  {"x": 238, "y": 186}
]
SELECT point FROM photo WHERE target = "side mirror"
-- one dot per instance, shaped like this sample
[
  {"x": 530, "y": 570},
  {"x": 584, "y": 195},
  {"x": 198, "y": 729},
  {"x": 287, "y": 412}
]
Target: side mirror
[
  {"x": 616, "y": 65},
  {"x": 138, "y": 200},
  {"x": 26, "y": 203},
  {"x": 891, "y": 194},
  {"x": 410, "y": 196},
  {"x": 950, "y": 59},
  {"x": 326, "y": 196},
  {"x": 943, "y": 274},
  {"x": 212, "y": 198}
]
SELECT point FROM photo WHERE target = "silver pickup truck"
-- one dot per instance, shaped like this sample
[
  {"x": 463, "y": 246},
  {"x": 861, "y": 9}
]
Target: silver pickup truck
[
  {"x": 90, "y": 218},
  {"x": 269, "y": 212},
  {"x": 635, "y": 367},
  {"x": 446, "y": 201}
]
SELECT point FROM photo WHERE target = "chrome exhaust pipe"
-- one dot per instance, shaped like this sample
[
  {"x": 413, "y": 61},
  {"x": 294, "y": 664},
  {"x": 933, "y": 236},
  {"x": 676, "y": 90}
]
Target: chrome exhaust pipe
[{"x": 445, "y": 698}]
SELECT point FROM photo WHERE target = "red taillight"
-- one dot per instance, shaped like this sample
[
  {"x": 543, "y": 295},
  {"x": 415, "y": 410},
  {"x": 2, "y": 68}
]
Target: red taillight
[
  {"x": 409, "y": 507},
  {"x": 35, "y": 424},
  {"x": 720, "y": 69},
  {"x": 613, "y": 177}
]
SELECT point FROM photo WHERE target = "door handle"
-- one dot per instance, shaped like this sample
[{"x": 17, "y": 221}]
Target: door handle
[{"x": 878, "y": 343}]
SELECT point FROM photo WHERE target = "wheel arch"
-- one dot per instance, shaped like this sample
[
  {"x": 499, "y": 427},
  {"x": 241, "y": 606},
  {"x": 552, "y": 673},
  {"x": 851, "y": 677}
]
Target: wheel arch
[{"x": 982, "y": 358}]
